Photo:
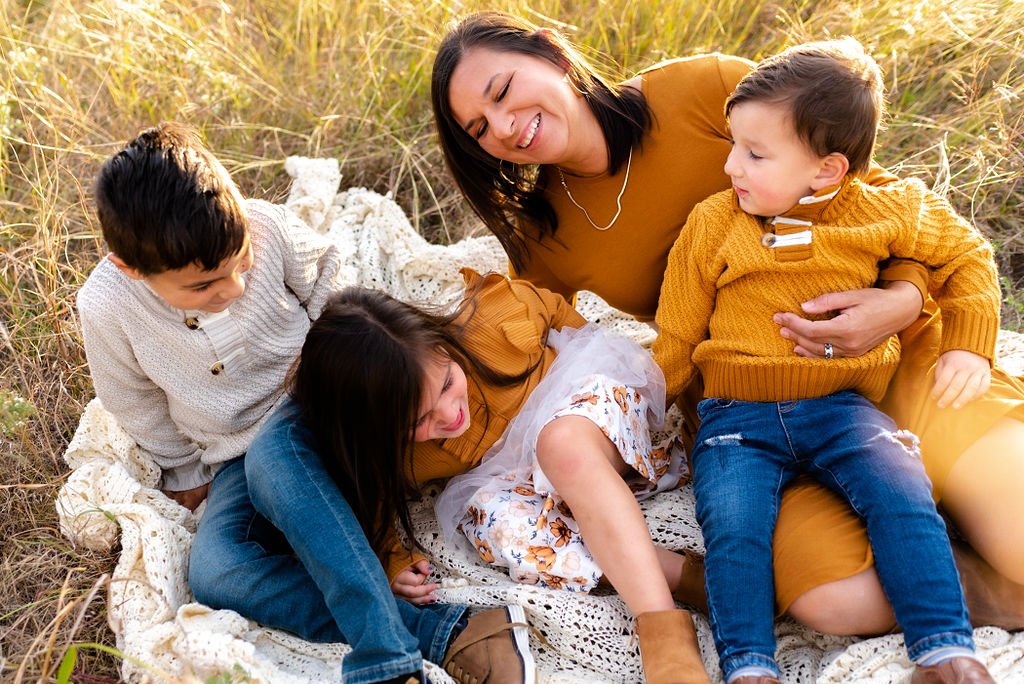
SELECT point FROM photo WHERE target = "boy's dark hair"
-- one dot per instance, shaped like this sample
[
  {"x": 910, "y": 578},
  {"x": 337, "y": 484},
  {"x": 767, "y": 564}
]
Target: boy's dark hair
[
  {"x": 834, "y": 91},
  {"x": 165, "y": 202}
]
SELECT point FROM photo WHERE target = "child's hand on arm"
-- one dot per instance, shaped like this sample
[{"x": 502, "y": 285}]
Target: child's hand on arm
[
  {"x": 410, "y": 585},
  {"x": 960, "y": 378},
  {"x": 190, "y": 498}
]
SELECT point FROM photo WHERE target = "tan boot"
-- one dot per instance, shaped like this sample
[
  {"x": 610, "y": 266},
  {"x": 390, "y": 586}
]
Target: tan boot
[
  {"x": 991, "y": 598},
  {"x": 953, "y": 671},
  {"x": 669, "y": 648},
  {"x": 689, "y": 588}
]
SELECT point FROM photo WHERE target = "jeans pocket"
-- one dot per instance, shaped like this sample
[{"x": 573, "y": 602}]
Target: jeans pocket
[{"x": 706, "y": 406}]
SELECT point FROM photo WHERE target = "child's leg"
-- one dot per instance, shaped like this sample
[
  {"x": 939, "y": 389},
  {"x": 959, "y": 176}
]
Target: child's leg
[
  {"x": 236, "y": 550},
  {"x": 739, "y": 463},
  {"x": 336, "y": 571},
  {"x": 684, "y": 573},
  {"x": 586, "y": 471},
  {"x": 859, "y": 453}
]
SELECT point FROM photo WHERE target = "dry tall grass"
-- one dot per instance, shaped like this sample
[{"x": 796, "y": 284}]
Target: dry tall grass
[{"x": 349, "y": 79}]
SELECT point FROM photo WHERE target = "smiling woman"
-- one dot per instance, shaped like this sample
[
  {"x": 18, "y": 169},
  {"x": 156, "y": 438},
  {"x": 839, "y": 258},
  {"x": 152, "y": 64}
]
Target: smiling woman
[
  {"x": 550, "y": 107},
  {"x": 518, "y": 107}
]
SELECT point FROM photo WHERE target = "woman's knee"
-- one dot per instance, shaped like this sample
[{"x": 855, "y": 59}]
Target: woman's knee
[
  {"x": 852, "y": 606},
  {"x": 982, "y": 496},
  {"x": 1006, "y": 556}
]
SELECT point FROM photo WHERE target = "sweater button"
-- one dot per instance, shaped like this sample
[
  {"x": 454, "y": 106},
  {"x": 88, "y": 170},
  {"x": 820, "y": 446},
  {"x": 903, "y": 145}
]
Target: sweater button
[
  {"x": 768, "y": 239},
  {"x": 217, "y": 368},
  {"x": 192, "y": 323}
]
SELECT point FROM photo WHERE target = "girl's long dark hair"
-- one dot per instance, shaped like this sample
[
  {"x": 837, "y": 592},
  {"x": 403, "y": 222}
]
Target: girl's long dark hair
[
  {"x": 501, "y": 193},
  {"x": 359, "y": 381}
]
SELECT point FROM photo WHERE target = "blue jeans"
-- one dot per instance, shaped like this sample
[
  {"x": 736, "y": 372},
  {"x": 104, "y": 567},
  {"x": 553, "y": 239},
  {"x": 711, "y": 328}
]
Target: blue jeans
[
  {"x": 746, "y": 453},
  {"x": 279, "y": 544}
]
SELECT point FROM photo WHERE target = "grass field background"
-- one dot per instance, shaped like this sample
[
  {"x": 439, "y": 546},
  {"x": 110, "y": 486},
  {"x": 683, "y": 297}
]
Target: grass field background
[{"x": 349, "y": 79}]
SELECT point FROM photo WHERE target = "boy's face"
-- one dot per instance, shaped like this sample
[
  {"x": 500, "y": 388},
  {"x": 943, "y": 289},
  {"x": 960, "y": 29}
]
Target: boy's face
[
  {"x": 193, "y": 288},
  {"x": 770, "y": 167}
]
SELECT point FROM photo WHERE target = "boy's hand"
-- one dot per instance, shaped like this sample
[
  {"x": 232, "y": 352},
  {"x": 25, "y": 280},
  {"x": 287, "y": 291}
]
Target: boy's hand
[
  {"x": 190, "y": 498},
  {"x": 960, "y": 377},
  {"x": 409, "y": 584}
]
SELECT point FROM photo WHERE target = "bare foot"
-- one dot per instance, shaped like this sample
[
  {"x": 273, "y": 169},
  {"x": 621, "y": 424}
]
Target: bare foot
[{"x": 991, "y": 598}]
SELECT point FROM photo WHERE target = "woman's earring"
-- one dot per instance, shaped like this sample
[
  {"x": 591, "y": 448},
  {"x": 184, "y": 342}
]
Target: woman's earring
[{"x": 507, "y": 173}]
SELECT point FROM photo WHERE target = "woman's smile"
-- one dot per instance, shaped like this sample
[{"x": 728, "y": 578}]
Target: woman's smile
[{"x": 530, "y": 134}]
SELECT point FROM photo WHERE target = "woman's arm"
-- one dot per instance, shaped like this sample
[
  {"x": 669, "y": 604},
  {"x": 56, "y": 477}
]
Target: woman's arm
[{"x": 863, "y": 320}]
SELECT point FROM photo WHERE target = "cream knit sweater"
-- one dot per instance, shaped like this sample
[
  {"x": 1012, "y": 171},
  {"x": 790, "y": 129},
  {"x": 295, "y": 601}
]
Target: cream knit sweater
[
  {"x": 723, "y": 284},
  {"x": 156, "y": 375}
]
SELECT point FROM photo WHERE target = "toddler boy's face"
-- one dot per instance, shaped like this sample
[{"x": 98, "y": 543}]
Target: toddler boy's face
[
  {"x": 194, "y": 288},
  {"x": 770, "y": 167}
]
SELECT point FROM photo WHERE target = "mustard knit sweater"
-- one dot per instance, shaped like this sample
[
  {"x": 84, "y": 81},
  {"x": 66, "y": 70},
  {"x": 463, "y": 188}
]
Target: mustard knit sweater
[{"x": 723, "y": 284}]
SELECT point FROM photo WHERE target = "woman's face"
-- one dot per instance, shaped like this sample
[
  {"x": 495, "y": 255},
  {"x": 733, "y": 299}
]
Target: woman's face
[
  {"x": 444, "y": 407},
  {"x": 519, "y": 107}
]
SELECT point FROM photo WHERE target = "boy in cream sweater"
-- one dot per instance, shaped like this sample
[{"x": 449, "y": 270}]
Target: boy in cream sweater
[
  {"x": 191, "y": 324},
  {"x": 799, "y": 223}
]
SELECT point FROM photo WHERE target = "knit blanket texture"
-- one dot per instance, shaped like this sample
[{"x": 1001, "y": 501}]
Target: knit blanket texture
[{"x": 112, "y": 494}]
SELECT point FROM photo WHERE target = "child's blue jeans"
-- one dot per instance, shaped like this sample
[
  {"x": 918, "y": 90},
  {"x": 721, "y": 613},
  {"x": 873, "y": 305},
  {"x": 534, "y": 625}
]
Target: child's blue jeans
[
  {"x": 279, "y": 544},
  {"x": 746, "y": 453}
]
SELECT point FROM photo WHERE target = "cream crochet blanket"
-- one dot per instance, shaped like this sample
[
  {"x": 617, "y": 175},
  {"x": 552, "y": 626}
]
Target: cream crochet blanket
[{"x": 112, "y": 492}]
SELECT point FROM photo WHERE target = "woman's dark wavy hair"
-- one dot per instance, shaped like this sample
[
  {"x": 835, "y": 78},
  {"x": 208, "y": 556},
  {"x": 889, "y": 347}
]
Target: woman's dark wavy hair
[
  {"x": 359, "y": 380},
  {"x": 503, "y": 193}
]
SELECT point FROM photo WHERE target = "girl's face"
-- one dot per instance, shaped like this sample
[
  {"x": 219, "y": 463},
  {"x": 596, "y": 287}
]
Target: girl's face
[
  {"x": 444, "y": 408},
  {"x": 520, "y": 108}
]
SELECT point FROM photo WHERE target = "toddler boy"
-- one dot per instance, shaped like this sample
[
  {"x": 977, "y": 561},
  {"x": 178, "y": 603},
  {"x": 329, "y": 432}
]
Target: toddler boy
[{"x": 798, "y": 223}]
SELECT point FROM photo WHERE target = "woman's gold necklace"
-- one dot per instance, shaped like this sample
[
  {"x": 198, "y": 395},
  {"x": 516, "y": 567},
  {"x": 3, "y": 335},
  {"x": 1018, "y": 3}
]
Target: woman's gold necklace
[{"x": 618, "y": 200}]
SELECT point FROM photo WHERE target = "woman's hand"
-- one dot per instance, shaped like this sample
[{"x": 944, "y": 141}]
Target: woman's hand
[
  {"x": 409, "y": 584},
  {"x": 865, "y": 319},
  {"x": 960, "y": 377}
]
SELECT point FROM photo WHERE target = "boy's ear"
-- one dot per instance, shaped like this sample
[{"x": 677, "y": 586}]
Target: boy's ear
[
  {"x": 833, "y": 169},
  {"x": 125, "y": 268}
]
